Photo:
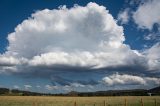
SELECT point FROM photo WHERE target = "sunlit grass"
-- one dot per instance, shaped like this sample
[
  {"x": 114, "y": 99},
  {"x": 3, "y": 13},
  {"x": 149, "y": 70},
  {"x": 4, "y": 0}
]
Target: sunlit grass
[{"x": 80, "y": 101}]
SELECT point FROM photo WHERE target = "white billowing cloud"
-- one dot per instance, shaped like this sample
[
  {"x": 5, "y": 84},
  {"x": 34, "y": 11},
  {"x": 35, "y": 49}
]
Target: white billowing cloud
[
  {"x": 125, "y": 79},
  {"x": 87, "y": 28},
  {"x": 85, "y": 58},
  {"x": 147, "y": 14},
  {"x": 79, "y": 36},
  {"x": 38, "y": 86},
  {"x": 27, "y": 87},
  {"x": 153, "y": 56},
  {"x": 8, "y": 60},
  {"x": 9, "y": 63},
  {"x": 67, "y": 88},
  {"x": 71, "y": 87},
  {"x": 51, "y": 87},
  {"x": 16, "y": 87},
  {"x": 77, "y": 85},
  {"x": 123, "y": 16}
]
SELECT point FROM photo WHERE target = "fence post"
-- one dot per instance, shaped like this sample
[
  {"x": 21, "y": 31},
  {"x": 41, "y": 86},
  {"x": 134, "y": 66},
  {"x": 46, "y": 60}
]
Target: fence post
[
  {"x": 75, "y": 104},
  {"x": 125, "y": 102},
  {"x": 107, "y": 103},
  {"x": 94, "y": 104},
  {"x": 104, "y": 103},
  {"x": 142, "y": 102},
  {"x": 34, "y": 104},
  {"x": 155, "y": 102}
]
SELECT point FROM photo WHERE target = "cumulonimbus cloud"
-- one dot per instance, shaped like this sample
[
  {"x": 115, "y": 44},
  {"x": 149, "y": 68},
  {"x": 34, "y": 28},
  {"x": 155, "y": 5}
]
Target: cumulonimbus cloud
[{"x": 81, "y": 36}]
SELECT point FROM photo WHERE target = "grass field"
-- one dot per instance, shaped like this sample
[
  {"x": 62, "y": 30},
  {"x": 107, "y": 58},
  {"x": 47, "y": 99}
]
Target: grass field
[{"x": 80, "y": 101}]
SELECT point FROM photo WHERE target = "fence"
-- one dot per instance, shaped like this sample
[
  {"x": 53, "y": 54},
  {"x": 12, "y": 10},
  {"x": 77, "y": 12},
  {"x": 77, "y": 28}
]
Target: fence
[
  {"x": 78, "y": 101},
  {"x": 105, "y": 103}
]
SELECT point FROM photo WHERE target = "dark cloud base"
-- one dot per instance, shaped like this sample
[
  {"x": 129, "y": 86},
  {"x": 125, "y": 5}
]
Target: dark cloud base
[{"x": 66, "y": 75}]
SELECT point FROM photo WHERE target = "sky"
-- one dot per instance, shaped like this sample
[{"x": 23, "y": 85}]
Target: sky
[{"x": 58, "y": 46}]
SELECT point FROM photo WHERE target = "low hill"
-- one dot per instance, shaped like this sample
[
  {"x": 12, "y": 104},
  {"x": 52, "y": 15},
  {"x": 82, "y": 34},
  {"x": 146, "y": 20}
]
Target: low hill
[
  {"x": 155, "y": 90},
  {"x": 4, "y": 91},
  {"x": 132, "y": 92}
]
